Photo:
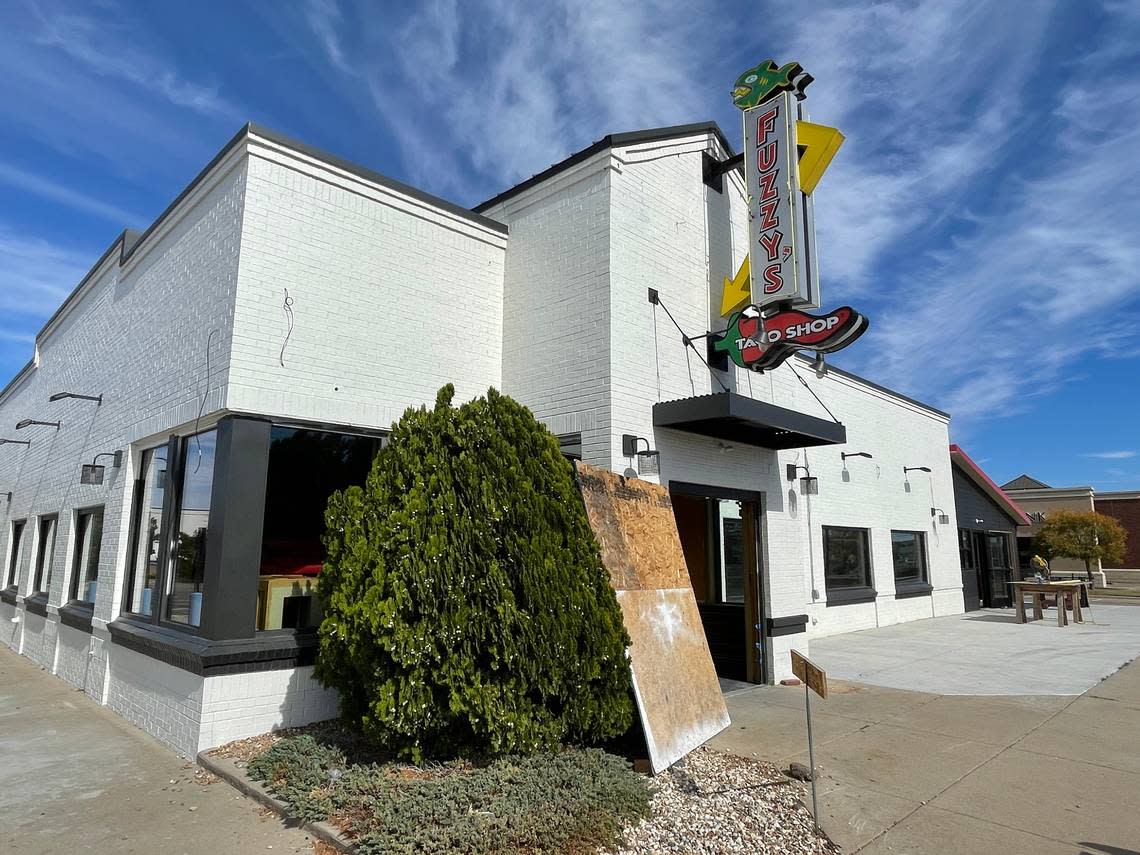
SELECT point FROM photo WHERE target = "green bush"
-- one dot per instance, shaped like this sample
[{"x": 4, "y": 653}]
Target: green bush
[
  {"x": 466, "y": 605},
  {"x": 569, "y": 801}
]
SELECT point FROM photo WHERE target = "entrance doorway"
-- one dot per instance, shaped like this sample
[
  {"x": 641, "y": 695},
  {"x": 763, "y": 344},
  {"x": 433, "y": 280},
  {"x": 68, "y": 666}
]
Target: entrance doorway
[
  {"x": 987, "y": 568},
  {"x": 720, "y": 536}
]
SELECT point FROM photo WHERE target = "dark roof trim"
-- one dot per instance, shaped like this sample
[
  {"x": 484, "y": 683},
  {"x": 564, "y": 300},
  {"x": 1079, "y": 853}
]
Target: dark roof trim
[
  {"x": 852, "y": 376},
  {"x": 738, "y": 418},
  {"x": 376, "y": 177},
  {"x": 609, "y": 141}
]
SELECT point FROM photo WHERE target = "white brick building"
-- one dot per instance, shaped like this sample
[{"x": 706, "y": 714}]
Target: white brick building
[{"x": 288, "y": 306}]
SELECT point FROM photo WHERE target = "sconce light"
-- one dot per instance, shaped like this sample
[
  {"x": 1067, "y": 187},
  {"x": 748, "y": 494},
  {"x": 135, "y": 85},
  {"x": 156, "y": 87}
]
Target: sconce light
[
  {"x": 29, "y": 422},
  {"x": 8, "y": 495},
  {"x": 92, "y": 473},
  {"x": 915, "y": 469},
  {"x": 648, "y": 460},
  {"x": 844, "y": 455},
  {"x": 809, "y": 484},
  {"x": 943, "y": 517},
  {"x": 59, "y": 396},
  {"x": 978, "y": 521},
  {"x": 15, "y": 441}
]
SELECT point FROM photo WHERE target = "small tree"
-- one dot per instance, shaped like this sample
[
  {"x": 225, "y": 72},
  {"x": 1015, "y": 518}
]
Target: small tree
[
  {"x": 466, "y": 606},
  {"x": 1084, "y": 536}
]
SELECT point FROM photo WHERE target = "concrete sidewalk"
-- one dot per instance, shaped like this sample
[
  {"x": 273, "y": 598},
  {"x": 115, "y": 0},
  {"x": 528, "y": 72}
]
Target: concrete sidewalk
[
  {"x": 77, "y": 778},
  {"x": 920, "y": 772}
]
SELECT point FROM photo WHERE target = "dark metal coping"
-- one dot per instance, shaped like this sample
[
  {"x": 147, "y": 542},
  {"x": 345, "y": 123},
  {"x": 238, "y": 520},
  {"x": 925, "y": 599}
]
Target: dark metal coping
[
  {"x": 129, "y": 239},
  {"x": 807, "y": 360},
  {"x": 609, "y": 141},
  {"x": 267, "y": 651},
  {"x": 729, "y": 416}
]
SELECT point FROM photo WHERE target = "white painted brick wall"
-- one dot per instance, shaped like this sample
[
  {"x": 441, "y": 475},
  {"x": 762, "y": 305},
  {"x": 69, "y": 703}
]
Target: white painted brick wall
[
  {"x": 163, "y": 700},
  {"x": 393, "y": 298},
  {"x": 72, "y": 655},
  {"x": 556, "y": 331},
  {"x": 235, "y": 706}
]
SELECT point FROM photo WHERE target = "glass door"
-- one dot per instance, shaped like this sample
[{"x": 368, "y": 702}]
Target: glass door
[{"x": 1000, "y": 569}]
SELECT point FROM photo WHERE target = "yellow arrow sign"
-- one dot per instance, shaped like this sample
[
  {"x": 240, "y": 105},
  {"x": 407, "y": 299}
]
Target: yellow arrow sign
[
  {"x": 737, "y": 291},
  {"x": 818, "y": 145}
]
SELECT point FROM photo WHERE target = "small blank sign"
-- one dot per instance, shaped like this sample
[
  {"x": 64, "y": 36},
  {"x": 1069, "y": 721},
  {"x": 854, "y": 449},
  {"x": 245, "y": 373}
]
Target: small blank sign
[{"x": 811, "y": 674}]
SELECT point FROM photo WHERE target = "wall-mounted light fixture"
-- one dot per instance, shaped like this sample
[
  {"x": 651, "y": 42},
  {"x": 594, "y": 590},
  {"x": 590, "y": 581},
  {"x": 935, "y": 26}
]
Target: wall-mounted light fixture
[
  {"x": 29, "y": 422},
  {"x": 59, "y": 396},
  {"x": 809, "y": 484},
  {"x": 92, "y": 473},
  {"x": 979, "y": 521},
  {"x": 907, "y": 469},
  {"x": 943, "y": 517},
  {"x": 844, "y": 455},
  {"x": 15, "y": 441},
  {"x": 648, "y": 460},
  {"x": 8, "y": 496}
]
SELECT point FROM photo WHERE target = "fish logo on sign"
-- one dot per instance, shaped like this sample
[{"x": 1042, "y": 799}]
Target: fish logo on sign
[{"x": 757, "y": 85}]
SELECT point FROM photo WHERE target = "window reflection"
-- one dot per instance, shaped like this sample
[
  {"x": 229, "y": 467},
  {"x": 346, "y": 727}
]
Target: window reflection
[
  {"x": 88, "y": 542},
  {"x": 188, "y": 561},
  {"x": 148, "y": 528}
]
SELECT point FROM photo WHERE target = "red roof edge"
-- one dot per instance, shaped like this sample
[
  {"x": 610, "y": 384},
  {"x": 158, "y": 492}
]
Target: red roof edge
[{"x": 977, "y": 474}]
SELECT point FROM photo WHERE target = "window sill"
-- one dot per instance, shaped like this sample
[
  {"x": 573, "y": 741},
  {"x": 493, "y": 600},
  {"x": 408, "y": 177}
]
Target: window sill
[
  {"x": 37, "y": 604},
  {"x": 849, "y": 596},
  {"x": 8, "y": 595},
  {"x": 906, "y": 590},
  {"x": 77, "y": 614},
  {"x": 787, "y": 625},
  {"x": 264, "y": 652}
]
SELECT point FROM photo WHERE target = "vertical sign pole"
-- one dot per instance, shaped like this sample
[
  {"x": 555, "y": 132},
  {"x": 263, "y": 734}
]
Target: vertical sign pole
[{"x": 811, "y": 758}]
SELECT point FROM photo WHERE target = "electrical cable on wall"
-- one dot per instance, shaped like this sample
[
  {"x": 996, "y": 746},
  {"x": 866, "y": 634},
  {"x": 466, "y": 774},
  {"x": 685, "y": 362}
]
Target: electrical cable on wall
[
  {"x": 686, "y": 339},
  {"x": 288, "y": 307},
  {"x": 202, "y": 403}
]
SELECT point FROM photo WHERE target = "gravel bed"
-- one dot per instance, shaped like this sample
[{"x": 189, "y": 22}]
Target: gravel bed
[{"x": 712, "y": 803}]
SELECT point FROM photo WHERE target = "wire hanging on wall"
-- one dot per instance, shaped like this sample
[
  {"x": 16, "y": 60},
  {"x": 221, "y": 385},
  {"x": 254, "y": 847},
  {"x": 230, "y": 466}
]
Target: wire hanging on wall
[
  {"x": 202, "y": 403},
  {"x": 288, "y": 307}
]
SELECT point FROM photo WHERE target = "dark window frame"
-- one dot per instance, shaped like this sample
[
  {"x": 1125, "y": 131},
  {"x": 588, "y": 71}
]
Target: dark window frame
[
  {"x": 845, "y": 594},
  {"x": 172, "y": 498},
  {"x": 918, "y": 585},
  {"x": 77, "y": 554},
  {"x": 39, "y": 564},
  {"x": 15, "y": 543}
]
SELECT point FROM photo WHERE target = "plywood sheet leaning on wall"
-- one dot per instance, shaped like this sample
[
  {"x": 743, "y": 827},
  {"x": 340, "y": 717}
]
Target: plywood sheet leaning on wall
[{"x": 678, "y": 695}]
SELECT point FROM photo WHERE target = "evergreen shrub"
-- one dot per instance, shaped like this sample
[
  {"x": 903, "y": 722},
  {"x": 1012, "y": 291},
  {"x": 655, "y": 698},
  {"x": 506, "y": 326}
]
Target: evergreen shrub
[{"x": 466, "y": 607}]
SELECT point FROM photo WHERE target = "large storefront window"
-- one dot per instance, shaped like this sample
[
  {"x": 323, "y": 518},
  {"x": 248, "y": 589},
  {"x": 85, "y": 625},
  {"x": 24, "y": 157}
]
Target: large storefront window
[
  {"x": 14, "y": 544},
  {"x": 846, "y": 558},
  {"x": 88, "y": 541},
  {"x": 305, "y": 468},
  {"x": 150, "y": 493},
  {"x": 909, "y": 551},
  {"x": 45, "y": 555},
  {"x": 188, "y": 559}
]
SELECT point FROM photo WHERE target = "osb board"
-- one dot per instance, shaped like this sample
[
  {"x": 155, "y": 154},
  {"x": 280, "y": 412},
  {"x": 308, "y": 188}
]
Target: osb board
[
  {"x": 633, "y": 521},
  {"x": 678, "y": 695}
]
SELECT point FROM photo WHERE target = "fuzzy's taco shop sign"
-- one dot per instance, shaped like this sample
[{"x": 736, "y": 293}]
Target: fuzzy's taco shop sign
[{"x": 761, "y": 343}]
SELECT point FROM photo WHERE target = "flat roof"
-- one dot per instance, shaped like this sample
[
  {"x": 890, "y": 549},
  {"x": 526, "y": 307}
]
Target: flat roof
[
  {"x": 609, "y": 141},
  {"x": 738, "y": 418}
]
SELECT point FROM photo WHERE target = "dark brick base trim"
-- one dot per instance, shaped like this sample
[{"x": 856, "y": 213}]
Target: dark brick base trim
[
  {"x": 791, "y": 625},
  {"x": 77, "y": 615},
  {"x": 922, "y": 589},
  {"x": 8, "y": 595},
  {"x": 847, "y": 596},
  {"x": 36, "y": 604},
  {"x": 270, "y": 651}
]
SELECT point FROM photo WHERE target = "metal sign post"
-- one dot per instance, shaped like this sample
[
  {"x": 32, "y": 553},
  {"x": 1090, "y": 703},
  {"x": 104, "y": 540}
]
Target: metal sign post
[{"x": 814, "y": 679}]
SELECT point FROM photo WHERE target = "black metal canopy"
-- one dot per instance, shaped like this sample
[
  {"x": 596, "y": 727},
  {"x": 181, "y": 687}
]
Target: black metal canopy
[{"x": 736, "y": 418}]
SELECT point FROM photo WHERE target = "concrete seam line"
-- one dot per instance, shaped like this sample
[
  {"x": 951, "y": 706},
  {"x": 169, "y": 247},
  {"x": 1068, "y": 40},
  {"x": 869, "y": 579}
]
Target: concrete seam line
[
  {"x": 322, "y": 830},
  {"x": 971, "y": 771}
]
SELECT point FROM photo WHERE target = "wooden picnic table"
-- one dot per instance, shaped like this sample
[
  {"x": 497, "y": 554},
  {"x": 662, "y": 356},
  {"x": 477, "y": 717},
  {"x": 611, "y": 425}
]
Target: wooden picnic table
[{"x": 1069, "y": 595}]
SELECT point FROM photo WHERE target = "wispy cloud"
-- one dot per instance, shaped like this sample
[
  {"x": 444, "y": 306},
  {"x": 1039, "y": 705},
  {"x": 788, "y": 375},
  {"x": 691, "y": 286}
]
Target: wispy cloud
[
  {"x": 1110, "y": 455},
  {"x": 55, "y": 192},
  {"x": 35, "y": 276},
  {"x": 480, "y": 95}
]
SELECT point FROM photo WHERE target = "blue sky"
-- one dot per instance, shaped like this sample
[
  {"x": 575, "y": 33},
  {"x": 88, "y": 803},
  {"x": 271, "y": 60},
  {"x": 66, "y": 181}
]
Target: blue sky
[{"x": 985, "y": 211}]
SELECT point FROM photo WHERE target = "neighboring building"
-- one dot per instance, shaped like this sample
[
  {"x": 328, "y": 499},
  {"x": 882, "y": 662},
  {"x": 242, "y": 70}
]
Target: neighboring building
[
  {"x": 987, "y": 534},
  {"x": 1038, "y": 500},
  {"x": 1125, "y": 508},
  {"x": 252, "y": 347}
]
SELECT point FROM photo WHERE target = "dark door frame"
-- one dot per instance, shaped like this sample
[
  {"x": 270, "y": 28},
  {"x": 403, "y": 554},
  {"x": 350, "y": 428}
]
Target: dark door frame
[{"x": 757, "y": 653}]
